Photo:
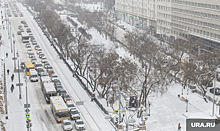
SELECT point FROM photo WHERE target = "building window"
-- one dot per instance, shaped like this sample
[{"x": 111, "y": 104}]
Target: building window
[
  {"x": 217, "y": 7},
  {"x": 213, "y": 6},
  {"x": 207, "y": 33}
]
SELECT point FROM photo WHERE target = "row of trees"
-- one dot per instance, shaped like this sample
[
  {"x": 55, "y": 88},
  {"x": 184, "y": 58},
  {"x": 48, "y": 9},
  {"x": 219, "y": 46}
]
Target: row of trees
[{"x": 158, "y": 64}]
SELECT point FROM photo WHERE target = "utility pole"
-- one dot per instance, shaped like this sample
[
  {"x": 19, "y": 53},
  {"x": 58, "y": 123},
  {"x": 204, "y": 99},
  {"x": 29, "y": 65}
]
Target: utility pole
[
  {"x": 119, "y": 97},
  {"x": 214, "y": 96},
  {"x": 19, "y": 78},
  {"x": 14, "y": 56}
]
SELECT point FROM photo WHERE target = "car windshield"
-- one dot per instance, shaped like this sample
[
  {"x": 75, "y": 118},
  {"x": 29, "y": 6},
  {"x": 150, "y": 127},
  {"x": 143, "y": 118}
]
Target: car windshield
[
  {"x": 67, "y": 96},
  {"x": 33, "y": 75},
  {"x": 38, "y": 65},
  {"x": 67, "y": 123},
  {"x": 51, "y": 72},
  {"x": 80, "y": 122},
  {"x": 70, "y": 105},
  {"x": 53, "y": 76},
  {"x": 74, "y": 112}
]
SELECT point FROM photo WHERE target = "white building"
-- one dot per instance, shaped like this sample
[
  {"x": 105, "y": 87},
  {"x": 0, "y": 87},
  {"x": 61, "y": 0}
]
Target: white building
[{"x": 175, "y": 19}]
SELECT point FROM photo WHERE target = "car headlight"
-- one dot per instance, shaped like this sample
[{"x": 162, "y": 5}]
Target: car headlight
[{"x": 65, "y": 128}]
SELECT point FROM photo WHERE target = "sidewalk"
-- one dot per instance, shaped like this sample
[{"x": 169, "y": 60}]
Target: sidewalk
[{"x": 16, "y": 114}]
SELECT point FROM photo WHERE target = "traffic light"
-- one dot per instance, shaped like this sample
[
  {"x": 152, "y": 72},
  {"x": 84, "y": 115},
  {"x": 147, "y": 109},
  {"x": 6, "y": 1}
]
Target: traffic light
[{"x": 27, "y": 125}]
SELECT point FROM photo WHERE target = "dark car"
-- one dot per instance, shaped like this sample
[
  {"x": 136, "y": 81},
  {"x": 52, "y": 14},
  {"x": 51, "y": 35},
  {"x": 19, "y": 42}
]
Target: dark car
[
  {"x": 19, "y": 33},
  {"x": 61, "y": 92},
  {"x": 217, "y": 91},
  {"x": 40, "y": 70}
]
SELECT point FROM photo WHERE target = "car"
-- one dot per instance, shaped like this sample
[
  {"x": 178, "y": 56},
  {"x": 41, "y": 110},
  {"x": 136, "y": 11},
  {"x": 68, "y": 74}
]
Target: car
[
  {"x": 23, "y": 21},
  {"x": 28, "y": 30},
  {"x": 39, "y": 50},
  {"x": 38, "y": 65},
  {"x": 33, "y": 60},
  {"x": 28, "y": 45},
  {"x": 61, "y": 92},
  {"x": 49, "y": 67},
  {"x": 74, "y": 114},
  {"x": 41, "y": 55},
  {"x": 50, "y": 72},
  {"x": 36, "y": 47},
  {"x": 53, "y": 77},
  {"x": 44, "y": 59},
  {"x": 66, "y": 98},
  {"x": 29, "y": 50},
  {"x": 43, "y": 74},
  {"x": 22, "y": 64},
  {"x": 46, "y": 64},
  {"x": 58, "y": 86},
  {"x": 18, "y": 32},
  {"x": 21, "y": 29},
  {"x": 31, "y": 34},
  {"x": 32, "y": 38},
  {"x": 20, "y": 26},
  {"x": 34, "y": 42},
  {"x": 79, "y": 124},
  {"x": 217, "y": 91},
  {"x": 26, "y": 25},
  {"x": 67, "y": 126},
  {"x": 40, "y": 70},
  {"x": 31, "y": 55},
  {"x": 69, "y": 104}
]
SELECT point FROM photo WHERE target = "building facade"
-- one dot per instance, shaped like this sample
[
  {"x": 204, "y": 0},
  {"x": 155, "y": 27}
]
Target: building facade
[{"x": 176, "y": 19}]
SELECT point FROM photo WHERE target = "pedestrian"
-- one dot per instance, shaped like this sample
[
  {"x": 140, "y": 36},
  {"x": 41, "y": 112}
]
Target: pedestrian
[
  {"x": 92, "y": 96},
  {"x": 12, "y": 88},
  {"x": 12, "y": 77},
  {"x": 6, "y": 55},
  {"x": 8, "y": 71},
  {"x": 179, "y": 127},
  {"x": 3, "y": 27}
]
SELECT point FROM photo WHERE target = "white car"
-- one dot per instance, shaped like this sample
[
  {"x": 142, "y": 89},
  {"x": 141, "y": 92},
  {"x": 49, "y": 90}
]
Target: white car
[
  {"x": 53, "y": 77},
  {"x": 44, "y": 59},
  {"x": 79, "y": 124},
  {"x": 39, "y": 50},
  {"x": 29, "y": 50},
  {"x": 71, "y": 105},
  {"x": 67, "y": 126}
]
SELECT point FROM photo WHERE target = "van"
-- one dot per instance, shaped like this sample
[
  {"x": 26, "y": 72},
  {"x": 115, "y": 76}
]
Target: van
[{"x": 33, "y": 75}]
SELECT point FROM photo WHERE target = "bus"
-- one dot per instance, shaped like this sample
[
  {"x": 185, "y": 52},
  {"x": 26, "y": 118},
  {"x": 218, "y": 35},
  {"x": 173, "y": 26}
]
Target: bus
[
  {"x": 59, "y": 108},
  {"x": 48, "y": 90},
  {"x": 28, "y": 66},
  {"x": 25, "y": 37}
]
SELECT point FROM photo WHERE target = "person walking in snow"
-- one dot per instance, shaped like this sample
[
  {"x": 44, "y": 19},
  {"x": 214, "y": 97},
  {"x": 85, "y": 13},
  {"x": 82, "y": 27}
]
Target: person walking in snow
[
  {"x": 12, "y": 88},
  {"x": 8, "y": 71},
  {"x": 6, "y": 55},
  {"x": 12, "y": 77},
  {"x": 179, "y": 127}
]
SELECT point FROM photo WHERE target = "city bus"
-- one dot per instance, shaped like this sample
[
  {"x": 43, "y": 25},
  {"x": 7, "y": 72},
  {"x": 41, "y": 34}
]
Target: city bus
[
  {"x": 28, "y": 66},
  {"x": 48, "y": 91},
  {"x": 25, "y": 37},
  {"x": 59, "y": 108}
]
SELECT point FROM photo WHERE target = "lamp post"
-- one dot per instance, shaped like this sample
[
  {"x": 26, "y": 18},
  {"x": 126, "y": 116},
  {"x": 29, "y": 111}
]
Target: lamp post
[
  {"x": 149, "y": 103},
  {"x": 19, "y": 77},
  {"x": 14, "y": 56}
]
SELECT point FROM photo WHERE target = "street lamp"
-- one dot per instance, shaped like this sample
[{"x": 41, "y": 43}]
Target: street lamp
[{"x": 19, "y": 77}]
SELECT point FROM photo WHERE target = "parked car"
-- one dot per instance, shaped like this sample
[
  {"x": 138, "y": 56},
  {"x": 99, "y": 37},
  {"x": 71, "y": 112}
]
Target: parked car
[
  {"x": 67, "y": 97},
  {"x": 217, "y": 91},
  {"x": 26, "y": 25},
  {"x": 79, "y": 124},
  {"x": 34, "y": 42},
  {"x": 74, "y": 114},
  {"x": 31, "y": 55},
  {"x": 29, "y": 50},
  {"x": 67, "y": 126}
]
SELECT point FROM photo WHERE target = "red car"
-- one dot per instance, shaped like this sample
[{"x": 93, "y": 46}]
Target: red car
[
  {"x": 67, "y": 97},
  {"x": 50, "y": 72}
]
